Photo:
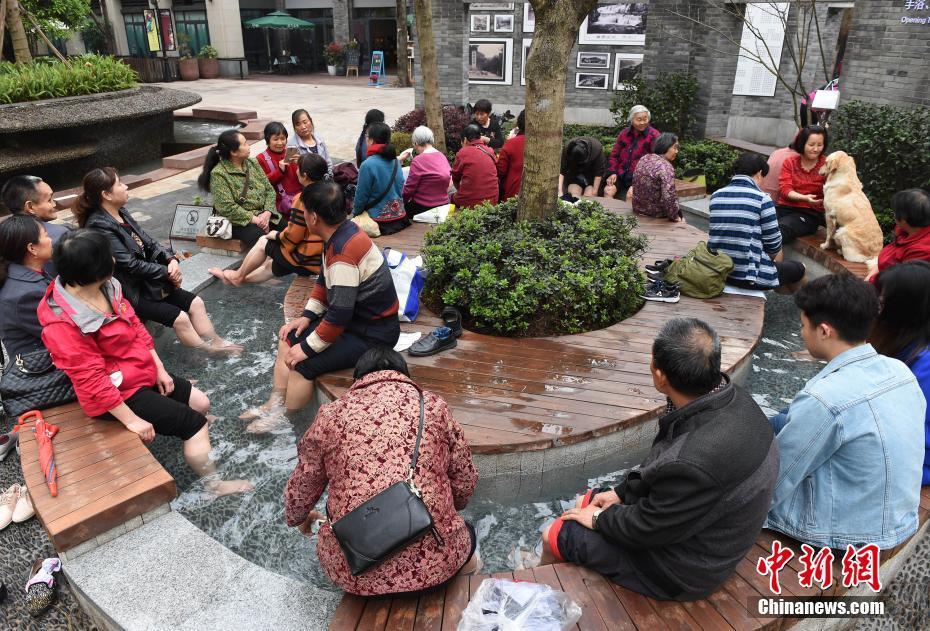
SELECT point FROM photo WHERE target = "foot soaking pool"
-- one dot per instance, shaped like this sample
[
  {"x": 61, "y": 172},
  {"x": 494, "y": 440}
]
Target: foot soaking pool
[{"x": 508, "y": 512}]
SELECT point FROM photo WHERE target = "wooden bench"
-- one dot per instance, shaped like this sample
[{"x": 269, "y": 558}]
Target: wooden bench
[
  {"x": 106, "y": 477},
  {"x": 526, "y": 394},
  {"x": 228, "y": 247},
  {"x": 607, "y": 606},
  {"x": 830, "y": 259}
]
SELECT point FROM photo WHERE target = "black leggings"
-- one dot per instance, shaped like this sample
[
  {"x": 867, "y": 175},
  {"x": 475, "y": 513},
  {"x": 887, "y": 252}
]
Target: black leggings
[{"x": 797, "y": 222}]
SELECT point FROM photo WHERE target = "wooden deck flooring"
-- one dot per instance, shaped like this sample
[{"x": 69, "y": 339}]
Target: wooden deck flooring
[
  {"x": 106, "y": 476},
  {"x": 534, "y": 393},
  {"x": 605, "y": 605}
]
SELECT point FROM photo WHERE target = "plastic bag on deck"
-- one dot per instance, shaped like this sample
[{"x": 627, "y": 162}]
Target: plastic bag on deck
[{"x": 502, "y": 605}]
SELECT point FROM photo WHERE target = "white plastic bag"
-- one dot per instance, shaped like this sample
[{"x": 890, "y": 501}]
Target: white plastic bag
[
  {"x": 408, "y": 283},
  {"x": 502, "y": 605}
]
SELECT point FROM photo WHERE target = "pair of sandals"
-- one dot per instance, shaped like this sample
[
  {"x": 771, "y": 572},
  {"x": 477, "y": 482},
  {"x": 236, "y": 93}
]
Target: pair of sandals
[{"x": 442, "y": 338}]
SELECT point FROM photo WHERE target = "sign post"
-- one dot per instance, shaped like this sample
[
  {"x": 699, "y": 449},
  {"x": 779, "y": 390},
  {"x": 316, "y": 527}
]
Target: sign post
[
  {"x": 189, "y": 221},
  {"x": 376, "y": 74}
]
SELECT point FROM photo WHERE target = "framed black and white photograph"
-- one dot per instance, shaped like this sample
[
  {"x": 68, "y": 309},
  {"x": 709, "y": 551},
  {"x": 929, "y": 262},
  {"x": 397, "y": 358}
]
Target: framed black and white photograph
[
  {"x": 526, "y": 53},
  {"x": 490, "y": 60},
  {"x": 619, "y": 23},
  {"x": 481, "y": 23},
  {"x": 587, "y": 59},
  {"x": 591, "y": 80},
  {"x": 627, "y": 67},
  {"x": 529, "y": 18},
  {"x": 491, "y": 6},
  {"x": 503, "y": 23}
]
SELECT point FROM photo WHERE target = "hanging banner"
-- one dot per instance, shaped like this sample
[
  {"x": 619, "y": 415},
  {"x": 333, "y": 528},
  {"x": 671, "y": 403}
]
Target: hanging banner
[
  {"x": 151, "y": 31},
  {"x": 376, "y": 74},
  {"x": 167, "y": 29}
]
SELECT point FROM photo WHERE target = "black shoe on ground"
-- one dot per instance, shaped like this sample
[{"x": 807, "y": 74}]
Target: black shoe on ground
[
  {"x": 659, "y": 266},
  {"x": 452, "y": 318},
  {"x": 659, "y": 291},
  {"x": 441, "y": 339},
  {"x": 654, "y": 276}
]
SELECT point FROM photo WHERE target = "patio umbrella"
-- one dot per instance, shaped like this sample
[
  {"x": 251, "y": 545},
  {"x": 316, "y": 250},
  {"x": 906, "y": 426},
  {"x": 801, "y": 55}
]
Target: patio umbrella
[
  {"x": 277, "y": 20},
  {"x": 44, "y": 433}
]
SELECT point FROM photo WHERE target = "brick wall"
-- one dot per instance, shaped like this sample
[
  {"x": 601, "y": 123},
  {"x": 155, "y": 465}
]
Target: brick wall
[{"x": 887, "y": 61}]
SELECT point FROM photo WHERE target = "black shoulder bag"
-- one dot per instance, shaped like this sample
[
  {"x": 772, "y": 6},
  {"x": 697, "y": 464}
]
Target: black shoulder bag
[
  {"x": 32, "y": 382},
  {"x": 391, "y": 520}
]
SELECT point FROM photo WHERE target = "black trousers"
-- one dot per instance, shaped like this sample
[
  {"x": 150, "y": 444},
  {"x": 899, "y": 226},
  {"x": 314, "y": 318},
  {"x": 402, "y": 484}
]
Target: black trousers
[{"x": 797, "y": 222}]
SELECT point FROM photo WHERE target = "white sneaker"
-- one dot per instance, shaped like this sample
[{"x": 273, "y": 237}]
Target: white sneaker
[
  {"x": 24, "y": 509},
  {"x": 8, "y": 504}
]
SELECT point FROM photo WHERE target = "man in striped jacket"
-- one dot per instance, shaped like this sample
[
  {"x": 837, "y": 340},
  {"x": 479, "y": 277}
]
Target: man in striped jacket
[
  {"x": 352, "y": 307},
  {"x": 743, "y": 225}
]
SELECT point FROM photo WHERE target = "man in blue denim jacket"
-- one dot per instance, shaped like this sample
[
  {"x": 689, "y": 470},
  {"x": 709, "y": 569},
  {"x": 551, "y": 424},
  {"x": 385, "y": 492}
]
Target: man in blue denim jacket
[{"x": 852, "y": 440}]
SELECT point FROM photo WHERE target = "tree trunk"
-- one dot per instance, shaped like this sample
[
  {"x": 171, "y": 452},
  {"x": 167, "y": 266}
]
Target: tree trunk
[
  {"x": 423, "y": 13},
  {"x": 557, "y": 23},
  {"x": 104, "y": 25},
  {"x": 403, "y": 77},
  {"x": 14, "y": 22},
  {"x": 2, "y": 24}
]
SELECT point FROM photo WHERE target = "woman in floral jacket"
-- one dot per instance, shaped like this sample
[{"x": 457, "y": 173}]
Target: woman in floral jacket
[{"x": 360, "y": 445}]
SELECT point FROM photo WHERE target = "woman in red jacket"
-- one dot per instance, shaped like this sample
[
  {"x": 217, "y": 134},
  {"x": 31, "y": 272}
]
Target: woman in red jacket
[
  {"x": 94, "y": 336},
  {"x": 510, "y": 162},
  {"x": 912, "y": 230},
  {"x": 281, "y": 173},
  {"x": 800, "y": 185}
]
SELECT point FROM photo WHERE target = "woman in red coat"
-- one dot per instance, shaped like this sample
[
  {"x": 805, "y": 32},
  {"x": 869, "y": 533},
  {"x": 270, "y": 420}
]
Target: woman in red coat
[
  {"x": 363, "y": 443},
  {"x": 912, "y": 230},
  {"x": 510, "y": 161},
  {"x": 800, "y": 185},
  {"x": 94, "y": 336}
]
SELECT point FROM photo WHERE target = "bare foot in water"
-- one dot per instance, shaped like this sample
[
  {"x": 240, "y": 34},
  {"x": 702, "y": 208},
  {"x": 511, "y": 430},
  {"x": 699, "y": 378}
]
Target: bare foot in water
[
  {"x": 228, "y": 487},
  {"x": 274, "y": 406},
  {"x": 228, "y": 276},
  {"x": 266, "y": 423},
  {"x": 219, "y": 346}
]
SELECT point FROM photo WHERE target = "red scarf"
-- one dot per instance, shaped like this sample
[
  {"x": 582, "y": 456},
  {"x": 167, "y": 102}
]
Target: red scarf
[{"x": 373, "y": 149}]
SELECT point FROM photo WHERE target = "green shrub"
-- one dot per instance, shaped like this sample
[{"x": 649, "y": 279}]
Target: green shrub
[
  {"x": 671, "y": 100},
  {"x": 891, "y": 146},
  {"x": 208, "y": 52},
  {"x": 87, "y": 74},
  {"x": 715, "y": 159},
  {"x": 573, "y": 271},
  {"x": 454, "y": 120}
]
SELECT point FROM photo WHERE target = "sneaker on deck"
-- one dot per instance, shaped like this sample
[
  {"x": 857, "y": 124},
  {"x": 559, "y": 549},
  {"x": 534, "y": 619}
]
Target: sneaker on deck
[{"x": 659, "y": 291}]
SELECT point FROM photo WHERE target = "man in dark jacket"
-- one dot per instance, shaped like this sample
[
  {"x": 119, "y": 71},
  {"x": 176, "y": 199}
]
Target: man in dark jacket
[
  {"x": 676, "y": 528},
  {"x": 582, "y": 168}
]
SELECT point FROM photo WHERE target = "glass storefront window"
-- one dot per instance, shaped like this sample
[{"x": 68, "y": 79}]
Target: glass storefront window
[
  {"x": 194, "y": 24},
  {"x": 135, "y": 34}
]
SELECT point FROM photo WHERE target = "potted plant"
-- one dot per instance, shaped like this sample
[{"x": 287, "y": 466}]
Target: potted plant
[
  {"x": 352, "y": 53},
  {"x": 187, "y": 65},
  {"x": 207, "y": 62},
  {"x": 334, "y": 53}
]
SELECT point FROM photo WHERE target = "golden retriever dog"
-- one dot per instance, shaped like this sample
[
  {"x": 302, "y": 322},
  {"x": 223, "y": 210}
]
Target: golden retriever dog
[{"x": 852, "y": 229}]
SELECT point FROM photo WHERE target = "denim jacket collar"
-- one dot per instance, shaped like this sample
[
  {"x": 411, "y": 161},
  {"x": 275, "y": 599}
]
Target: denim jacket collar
[{"x": 855, "y": 354}]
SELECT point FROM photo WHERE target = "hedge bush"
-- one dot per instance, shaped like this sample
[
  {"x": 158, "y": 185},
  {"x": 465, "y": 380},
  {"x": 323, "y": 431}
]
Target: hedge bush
[
  {"x": 454, "y": 121},
  {"x": 574, "y": 271},
  {"x": 714, "y": 158},
  {"x": 671, "y": 100},
  {"x": 87, "y": 74},
  {"x": 891, "y": 146}
]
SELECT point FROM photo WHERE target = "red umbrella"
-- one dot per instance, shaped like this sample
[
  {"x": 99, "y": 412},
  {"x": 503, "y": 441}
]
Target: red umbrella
[{"x": 44, "y": 433}]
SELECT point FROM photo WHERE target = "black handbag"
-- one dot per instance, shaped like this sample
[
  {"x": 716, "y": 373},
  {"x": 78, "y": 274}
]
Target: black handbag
[
  {"x": 389, "y": 521},
  {"x": 32, "y": 382}
]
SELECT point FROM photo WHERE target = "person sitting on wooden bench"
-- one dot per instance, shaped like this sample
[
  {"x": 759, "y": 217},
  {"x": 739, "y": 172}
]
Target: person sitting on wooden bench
[
  {"x": 852, "y": 441},
  {"x": 676, "y": 528},
  {"x": 94, "y": 336},
  {"x": 352, "y": 308}
]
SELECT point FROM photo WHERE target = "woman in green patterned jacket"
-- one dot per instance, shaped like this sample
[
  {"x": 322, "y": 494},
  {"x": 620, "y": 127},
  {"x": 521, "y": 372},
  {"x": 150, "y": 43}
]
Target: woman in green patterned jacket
[{"x": 241, "y": 190}]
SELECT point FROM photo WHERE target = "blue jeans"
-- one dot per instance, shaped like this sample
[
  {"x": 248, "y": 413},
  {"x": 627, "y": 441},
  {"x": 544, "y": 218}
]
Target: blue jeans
[{"x": 779, "y": 421}]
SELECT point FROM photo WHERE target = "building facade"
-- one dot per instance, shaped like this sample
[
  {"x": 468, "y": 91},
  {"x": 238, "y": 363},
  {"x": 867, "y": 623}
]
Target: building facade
[
  {"x": 877, "y": 49},
  {"x": 156, "y": 28}
]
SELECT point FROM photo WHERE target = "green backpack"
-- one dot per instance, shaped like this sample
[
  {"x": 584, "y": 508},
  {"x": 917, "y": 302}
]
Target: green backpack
[{"x": 702, "y": 273}]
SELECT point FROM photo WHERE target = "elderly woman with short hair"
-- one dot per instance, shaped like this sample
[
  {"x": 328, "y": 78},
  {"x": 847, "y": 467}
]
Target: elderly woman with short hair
[
  {"x": 632, "y": 144},
  {"x": 654, "y": 181},
  {"x": 427, "y": 184}
]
